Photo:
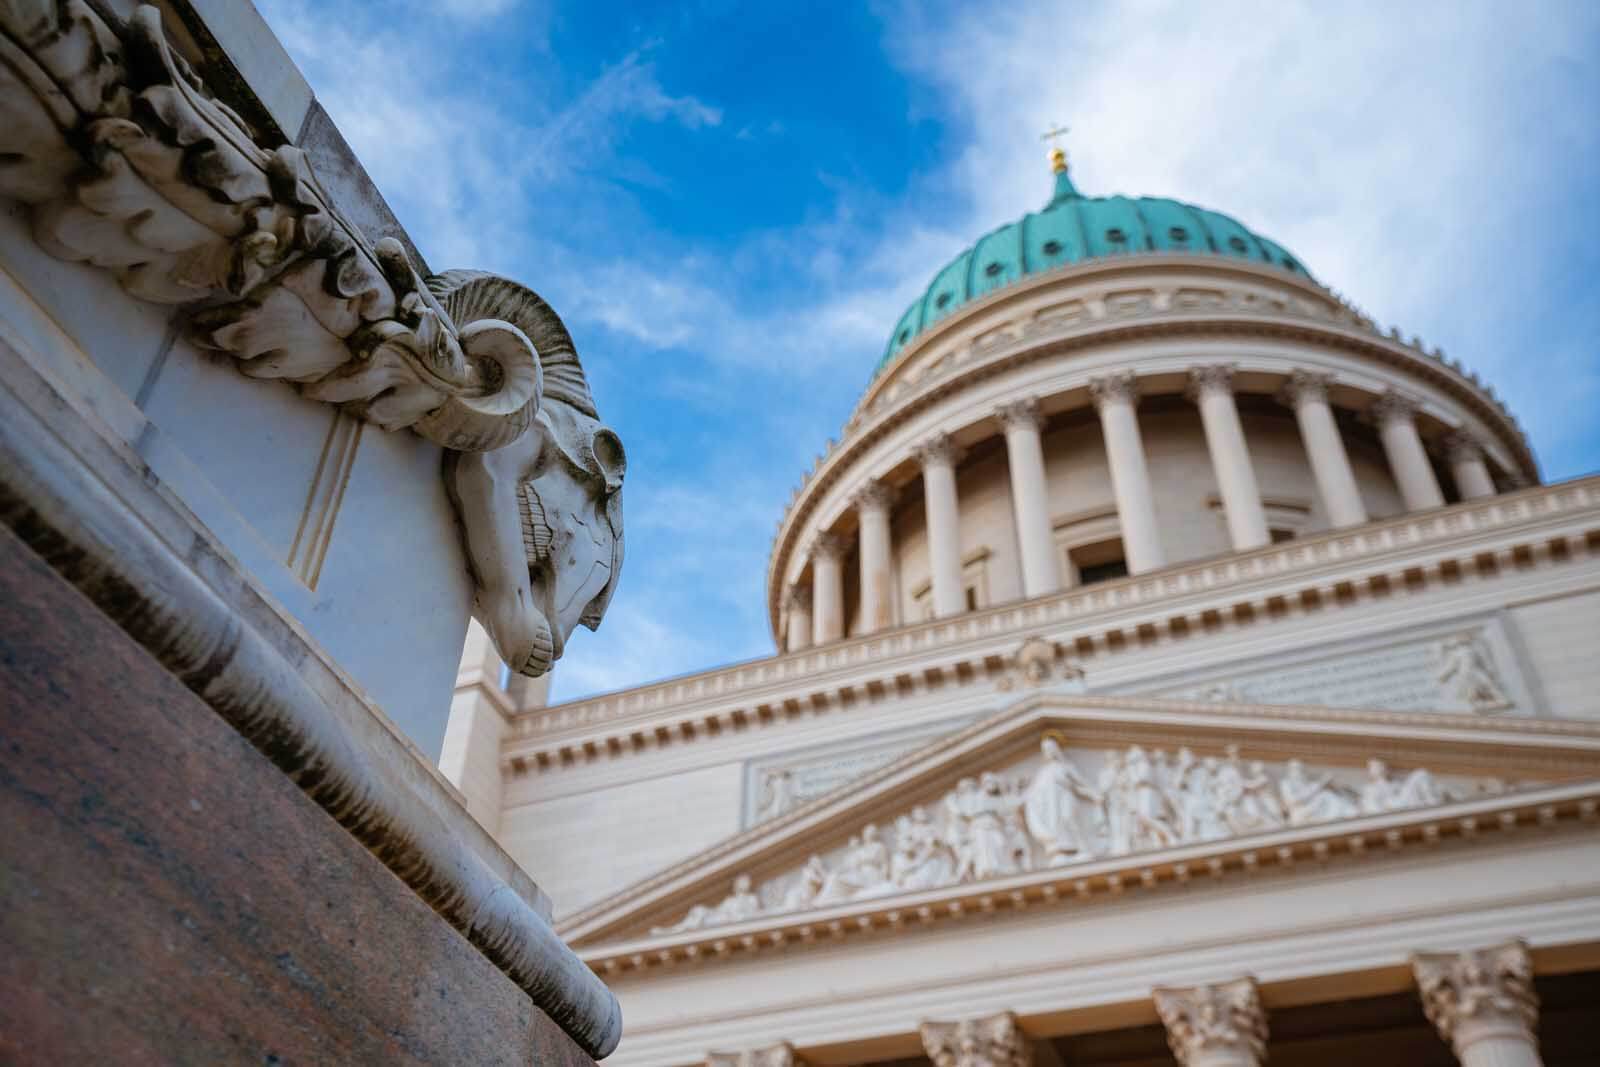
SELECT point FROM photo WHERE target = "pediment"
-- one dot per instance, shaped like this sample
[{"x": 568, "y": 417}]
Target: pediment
[{"x": 1062, "y": 783}]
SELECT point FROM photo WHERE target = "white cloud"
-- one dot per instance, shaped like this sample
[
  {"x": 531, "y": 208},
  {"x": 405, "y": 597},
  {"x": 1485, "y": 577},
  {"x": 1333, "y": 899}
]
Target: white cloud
[{"x": 1402, "y": 151}]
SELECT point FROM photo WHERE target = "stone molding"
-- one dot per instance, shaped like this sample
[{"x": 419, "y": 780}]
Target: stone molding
[
  {"x": 1206, "y": 1022},
  {"x": 1305, "y": 387},
  {"x": 1367, "y": 840},
  {"x": 128, "y": 162},
  {"x": 1479, "y": 993},
  {"x": 1021, "y": 414},
  {"x": 874, "y": 496},
  {"x": 1122, "y": 388},
  {"x": 1508, "y": 528},
  {"x": 939, "y": 451},
  {"x": 94, "y": 515},
  {"x": 990, "y": 1041},
  {"x": 1211, "y": 378},
  {"x": 779, "y": 1055}
]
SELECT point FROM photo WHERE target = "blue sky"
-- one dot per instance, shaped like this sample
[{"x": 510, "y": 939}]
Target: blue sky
[{"x": 730, "y": 204}]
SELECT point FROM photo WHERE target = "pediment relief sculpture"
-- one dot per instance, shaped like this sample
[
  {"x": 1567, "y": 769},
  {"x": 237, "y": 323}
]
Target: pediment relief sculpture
[
  {"x": 1060, "y": 809},
  {"x": 127, "y": 162}
]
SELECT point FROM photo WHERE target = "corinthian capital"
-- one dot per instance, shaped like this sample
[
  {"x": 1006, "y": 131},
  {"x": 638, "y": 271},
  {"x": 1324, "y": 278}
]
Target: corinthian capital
[
  {"x": 1211, "y": 378},
  {"x": 989, "y": 1041},
  {"x": 939, "y": 450},
  {"x": 1393, "y": 407},
  {"x": 779, "y": 1055},
  {"x": 1305, "y": 387},
  {"x": 1208, "y": 1024},
  {"x": 798, "y": 598},
  {"x": 1486, "y": 992},
  {"x": 874, "y": 495},
  {"x": 1462, "y": 445},
  {"x": 1020, "y": 414},
  {"x": 1114, "y": 389},
  {"x": 827, "y": 546}
]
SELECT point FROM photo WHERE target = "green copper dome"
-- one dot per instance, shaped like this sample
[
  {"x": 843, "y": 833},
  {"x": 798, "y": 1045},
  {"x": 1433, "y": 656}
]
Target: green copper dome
[{"x": 1073, "y": 228}]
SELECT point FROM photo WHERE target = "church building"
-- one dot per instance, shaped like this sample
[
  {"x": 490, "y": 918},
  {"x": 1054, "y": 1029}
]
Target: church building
[{"x": 1174, "y": 666}]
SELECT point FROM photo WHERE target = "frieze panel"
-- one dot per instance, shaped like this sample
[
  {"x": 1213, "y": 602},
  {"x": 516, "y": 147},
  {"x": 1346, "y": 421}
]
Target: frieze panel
[
  {"x": 1465, "y": 668},
  {"x": 1057, "y": 809}
]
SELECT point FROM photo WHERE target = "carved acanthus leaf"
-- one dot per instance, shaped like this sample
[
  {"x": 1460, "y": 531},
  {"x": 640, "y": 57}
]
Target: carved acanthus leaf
[{"x": 991, "y": 1041}]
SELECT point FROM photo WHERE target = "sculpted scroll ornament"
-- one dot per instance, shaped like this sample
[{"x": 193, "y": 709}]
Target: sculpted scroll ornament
[
  {"x": 1479, "y": 993},
  {"x": 128, "y": 163}
]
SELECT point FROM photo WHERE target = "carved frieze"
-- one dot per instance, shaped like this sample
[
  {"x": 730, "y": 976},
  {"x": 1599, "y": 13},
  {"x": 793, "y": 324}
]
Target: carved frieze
[
  {"x": 127, "y": 162},
  {"x": 1065, "y": 809}
]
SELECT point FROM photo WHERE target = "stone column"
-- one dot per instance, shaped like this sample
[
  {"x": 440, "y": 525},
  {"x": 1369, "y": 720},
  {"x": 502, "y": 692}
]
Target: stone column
[
  {"x": 1408, "y": 460},
  {"x": 1115, "y": 397},
  {"x": 1221, "y": 1025},
  {"x": 1483, "y": 1003},
  {"x": 827, "y": 589},
  {"x": 1468, "y": 467},
  {"x": 799, "y": 603},
  {"x": 1307, "y": 393},
  {"x": 877, "y": 585},
  {"x": 1035, "y": 537},
  {"x": 939, "y": 457},
  {"x": 1211, "y": 388},
  {"x": 470, "y": 756},
  {"x": 989, "y": 1041},
  {"x": 779, "y": 1055}
]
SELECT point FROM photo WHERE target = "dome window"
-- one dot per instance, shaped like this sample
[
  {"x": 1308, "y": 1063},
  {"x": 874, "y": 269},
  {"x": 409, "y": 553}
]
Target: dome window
[
  {"x": 942, "y": 300},
  {"x": 1178, "y": 234},
  {"x": 905, "y": 335},
  {"x": 1052, "y": 247},
  {"x": 1237, "y": 244},
  {"x": 993, "y": 269},
  {"x": 1290, "y": 263},
  {"x": 1116, "y": 236}
]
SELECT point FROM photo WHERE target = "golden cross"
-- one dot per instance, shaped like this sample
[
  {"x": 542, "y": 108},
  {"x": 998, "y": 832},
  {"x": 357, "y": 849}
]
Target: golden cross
[{"x": 1053, "y": 135}]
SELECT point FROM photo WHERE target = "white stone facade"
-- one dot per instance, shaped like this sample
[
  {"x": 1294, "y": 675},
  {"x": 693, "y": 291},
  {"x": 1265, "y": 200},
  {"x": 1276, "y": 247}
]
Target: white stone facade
[{"x": 1166, "y": 505}]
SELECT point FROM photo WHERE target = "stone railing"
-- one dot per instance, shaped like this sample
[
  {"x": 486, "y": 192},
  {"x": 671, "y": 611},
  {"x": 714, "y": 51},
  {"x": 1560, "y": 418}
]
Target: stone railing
[{"x": 1457, "y": 535}]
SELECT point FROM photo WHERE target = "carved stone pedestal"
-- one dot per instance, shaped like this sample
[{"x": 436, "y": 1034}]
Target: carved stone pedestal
[{"x": 1483, "y": 1003}]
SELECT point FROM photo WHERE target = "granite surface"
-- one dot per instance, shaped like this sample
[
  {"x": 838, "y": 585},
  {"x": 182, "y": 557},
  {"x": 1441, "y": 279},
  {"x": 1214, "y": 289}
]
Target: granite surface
[{"x": 168, "y": 896}]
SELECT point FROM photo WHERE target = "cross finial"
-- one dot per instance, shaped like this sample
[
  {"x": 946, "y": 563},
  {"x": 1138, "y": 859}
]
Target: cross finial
[{"x": 1058, "y": 155}]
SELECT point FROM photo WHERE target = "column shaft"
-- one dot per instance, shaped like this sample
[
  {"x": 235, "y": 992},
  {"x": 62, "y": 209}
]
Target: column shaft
[
  {"x": 799, "y": 619},
  {"x": 1041, "y": 574},
  {"x": 877, "y": 579},
  {"x": 1212, "y": 389},
  {"x": 1130, "y": 477},
  {"x": 1408, "y": 460},
  {"x": 827, "y": 590},
  {"x": 1330, "y": 463},
  {"x": 944, "y": 526},
  {"x": 1467, "y": 466}
]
